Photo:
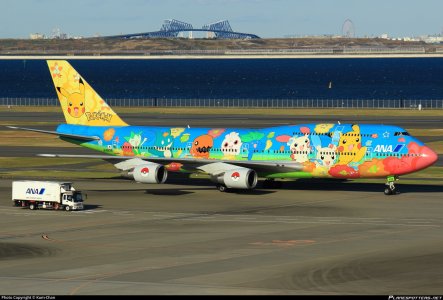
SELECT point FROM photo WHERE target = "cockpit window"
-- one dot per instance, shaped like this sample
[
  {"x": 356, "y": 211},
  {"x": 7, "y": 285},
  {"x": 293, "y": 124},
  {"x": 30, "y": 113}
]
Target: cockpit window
[
  {"x": 400, "y": 133},
  {"x": 78, "y": 197}
]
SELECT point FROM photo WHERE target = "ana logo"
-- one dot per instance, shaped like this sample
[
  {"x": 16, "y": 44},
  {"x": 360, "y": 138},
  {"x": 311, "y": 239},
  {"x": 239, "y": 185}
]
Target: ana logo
[
  {"x": 35, "y": 191},
  {"x": 235, "y": 176},
  {"x": 383, "y": 148},
  {"x": 388, "y": 148},
  {"x": 398, "y": 148},
  {"x": 144, "y": 171}
]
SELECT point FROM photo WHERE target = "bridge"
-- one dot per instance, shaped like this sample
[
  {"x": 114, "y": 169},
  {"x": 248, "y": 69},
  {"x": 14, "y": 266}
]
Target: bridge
[{"x": 172, "y": 28}]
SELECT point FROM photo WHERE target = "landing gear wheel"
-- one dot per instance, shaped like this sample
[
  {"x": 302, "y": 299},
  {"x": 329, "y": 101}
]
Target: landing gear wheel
[
  {"x": 222, "y": 188},
  {"x": 388, "y": 191},
  {"x": 390, "y": 186}
]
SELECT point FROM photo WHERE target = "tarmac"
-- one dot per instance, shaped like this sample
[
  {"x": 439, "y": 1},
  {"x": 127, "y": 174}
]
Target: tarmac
[
  {"x": 310, "y": 237},
  {"x": 336, "y": 238}
]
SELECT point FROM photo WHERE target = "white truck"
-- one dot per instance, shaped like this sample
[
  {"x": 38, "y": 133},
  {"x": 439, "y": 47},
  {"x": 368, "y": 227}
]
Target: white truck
[{"x": 46, "y": 194}]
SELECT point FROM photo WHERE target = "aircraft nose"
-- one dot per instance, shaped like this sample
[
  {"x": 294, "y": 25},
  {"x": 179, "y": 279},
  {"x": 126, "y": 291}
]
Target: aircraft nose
[{"x": 429, "y": 157}]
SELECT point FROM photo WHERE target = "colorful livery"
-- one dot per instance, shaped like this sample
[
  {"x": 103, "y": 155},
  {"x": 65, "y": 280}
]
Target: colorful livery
[{"x": 234, "y": 157}]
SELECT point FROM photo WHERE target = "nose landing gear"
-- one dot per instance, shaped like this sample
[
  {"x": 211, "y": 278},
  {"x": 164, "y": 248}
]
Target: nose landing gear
[{"x": 390, "y": 187}]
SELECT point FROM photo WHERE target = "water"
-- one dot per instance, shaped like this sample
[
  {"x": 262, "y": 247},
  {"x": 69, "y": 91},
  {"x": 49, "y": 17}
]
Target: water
[{"x": 353, "y": 78}]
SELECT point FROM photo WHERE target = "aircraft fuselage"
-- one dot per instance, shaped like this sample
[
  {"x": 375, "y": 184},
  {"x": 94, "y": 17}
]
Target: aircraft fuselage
[{"x": 322, "y": 150}]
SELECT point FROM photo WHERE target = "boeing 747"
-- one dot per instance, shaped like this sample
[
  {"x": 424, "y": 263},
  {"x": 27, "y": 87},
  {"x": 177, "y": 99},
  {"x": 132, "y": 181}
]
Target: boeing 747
[{"x": 234, "y": 158}]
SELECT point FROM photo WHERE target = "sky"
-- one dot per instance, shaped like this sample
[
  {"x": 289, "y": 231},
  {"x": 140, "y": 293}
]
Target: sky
[{"x": 266, "y": 18}]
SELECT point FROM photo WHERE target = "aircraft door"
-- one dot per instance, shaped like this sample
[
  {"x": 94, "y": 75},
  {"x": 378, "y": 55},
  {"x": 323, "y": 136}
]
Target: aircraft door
[
  {"x": 369, "y": 154},
  {"x": 188, "y": 149},
  {"x": 336, "y": 135},
  {"x": 245, "y": 150}
]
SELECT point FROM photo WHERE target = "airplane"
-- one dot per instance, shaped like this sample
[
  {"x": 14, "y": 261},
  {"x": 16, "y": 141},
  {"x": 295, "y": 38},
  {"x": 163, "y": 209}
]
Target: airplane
[{"x": 234, "y": 158}]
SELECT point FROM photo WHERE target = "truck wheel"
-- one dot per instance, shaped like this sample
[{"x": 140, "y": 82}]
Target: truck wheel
[
  {"x": 67, "y": 208},
  {"x": 32, "y": 206}
]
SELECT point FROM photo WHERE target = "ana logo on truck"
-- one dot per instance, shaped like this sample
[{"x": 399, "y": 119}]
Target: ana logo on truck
[{"x": 35, "y": 191}]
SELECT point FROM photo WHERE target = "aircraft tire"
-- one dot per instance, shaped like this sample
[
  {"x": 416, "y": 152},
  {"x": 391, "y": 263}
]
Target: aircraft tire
[
  {"x": 222, "y": 188},
  {"x": 389, "y": 192}
]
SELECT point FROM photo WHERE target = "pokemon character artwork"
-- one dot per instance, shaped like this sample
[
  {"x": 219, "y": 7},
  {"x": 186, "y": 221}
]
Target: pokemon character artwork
[
  {"x": 233, "y": 157},
  {"x": 80, "y": 103}
]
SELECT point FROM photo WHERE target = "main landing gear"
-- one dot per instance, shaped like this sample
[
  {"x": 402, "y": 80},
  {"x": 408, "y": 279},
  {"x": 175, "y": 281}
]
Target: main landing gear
[
  {"x": 222, "y": 188},
  {"x": 390, "y": 187}
]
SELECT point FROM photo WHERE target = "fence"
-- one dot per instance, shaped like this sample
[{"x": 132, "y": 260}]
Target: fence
[{"x": 247, "y": 103}]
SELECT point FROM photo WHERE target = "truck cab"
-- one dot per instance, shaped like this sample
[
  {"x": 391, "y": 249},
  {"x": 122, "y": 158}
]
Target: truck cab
[{"x": 72, "y": 200}]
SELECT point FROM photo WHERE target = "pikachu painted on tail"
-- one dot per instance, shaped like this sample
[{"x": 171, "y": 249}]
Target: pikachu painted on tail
[{"x": 81, "y": 105}]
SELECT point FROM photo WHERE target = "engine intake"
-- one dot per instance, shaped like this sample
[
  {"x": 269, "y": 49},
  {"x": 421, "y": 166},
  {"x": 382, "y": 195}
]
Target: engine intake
[
  {"x": 150, "y": 173},
  {"x": 241, "y": 178}
]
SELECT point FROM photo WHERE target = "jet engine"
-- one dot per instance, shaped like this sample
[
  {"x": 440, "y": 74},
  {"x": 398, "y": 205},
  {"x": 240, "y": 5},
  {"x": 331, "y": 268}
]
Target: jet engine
[
  {"x": 150, "y": 173},
  {"x": 241, "y": 178}
]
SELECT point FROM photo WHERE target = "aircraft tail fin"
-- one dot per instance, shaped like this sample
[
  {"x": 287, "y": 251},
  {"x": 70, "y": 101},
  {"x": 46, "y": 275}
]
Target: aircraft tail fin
[{"x": 81, "y": 105}]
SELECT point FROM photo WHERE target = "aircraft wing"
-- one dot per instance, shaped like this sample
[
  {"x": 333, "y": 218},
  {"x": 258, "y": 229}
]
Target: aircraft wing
[
  {"x": 65, "y": 135},
  {"x": 210, "y": 166}
]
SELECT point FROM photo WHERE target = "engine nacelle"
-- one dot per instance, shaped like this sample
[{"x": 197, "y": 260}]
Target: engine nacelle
[
  {"x": 241, "y": 178},
  {"x": 150, "y": 173}
]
